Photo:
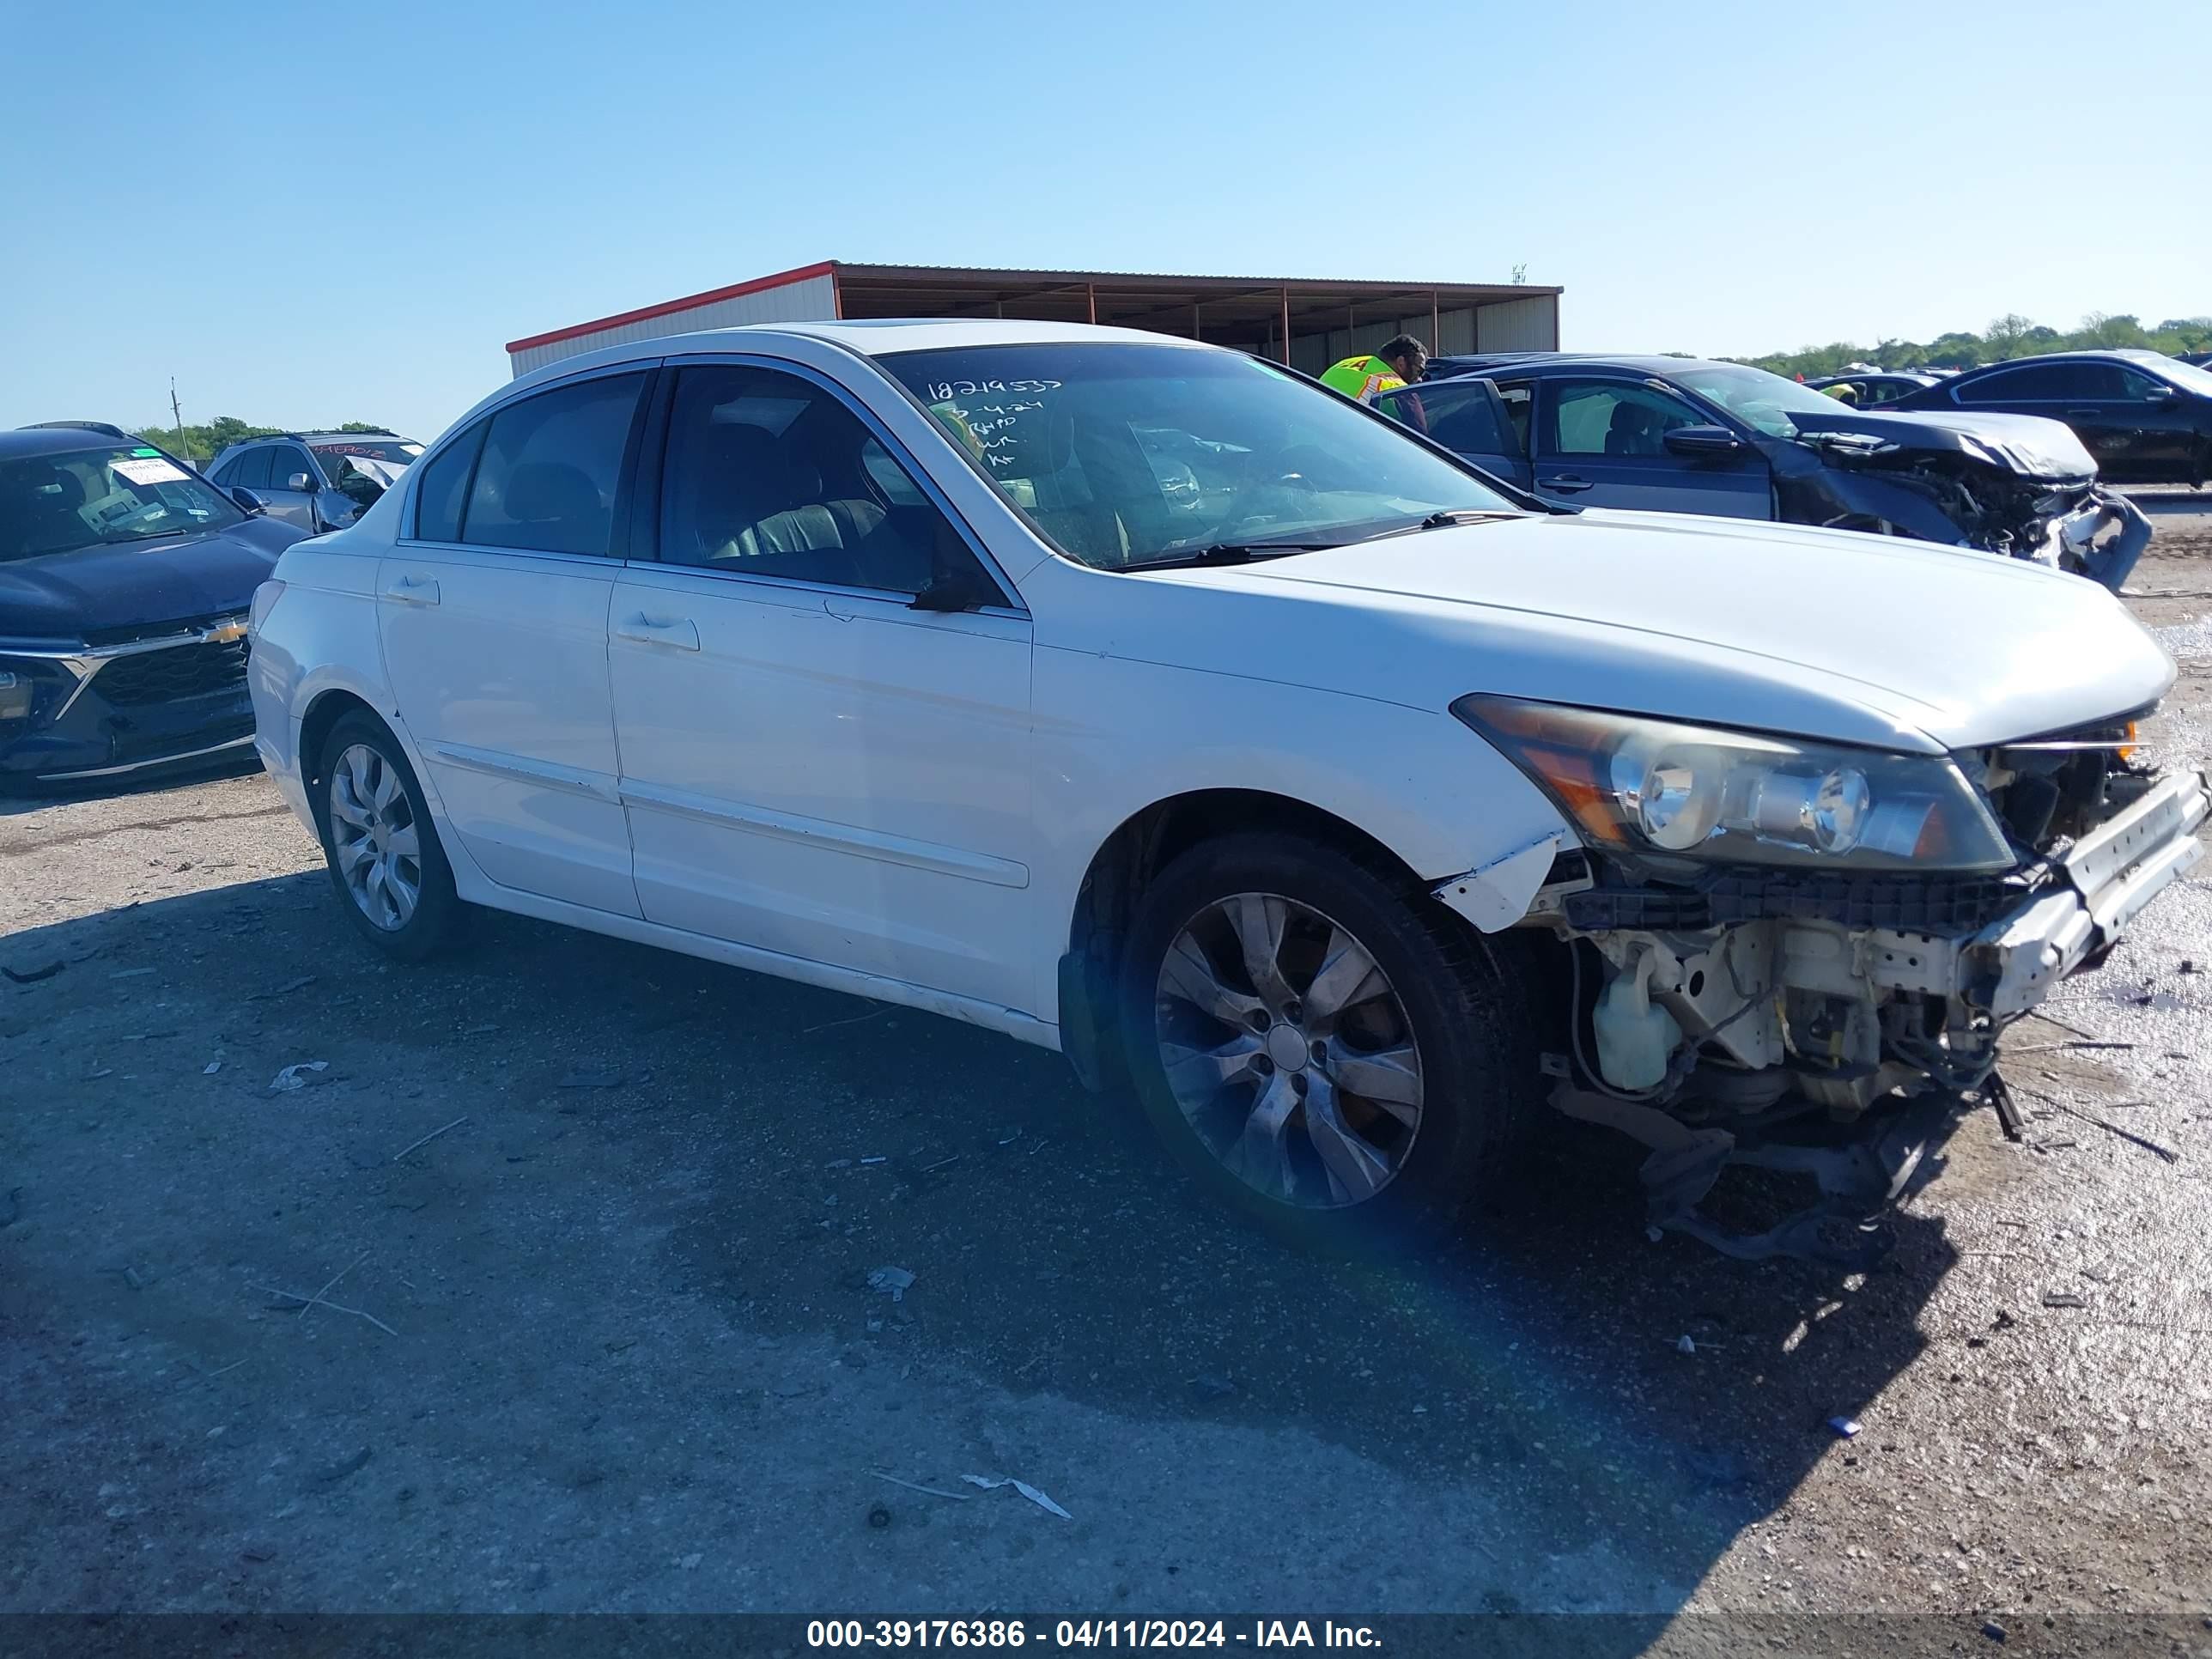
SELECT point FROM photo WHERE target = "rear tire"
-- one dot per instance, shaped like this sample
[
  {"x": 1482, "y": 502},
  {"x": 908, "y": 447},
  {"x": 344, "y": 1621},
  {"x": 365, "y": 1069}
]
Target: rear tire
[
  {"x": 1318, "y": 1041},
  {"x": 385, "y": 859}
]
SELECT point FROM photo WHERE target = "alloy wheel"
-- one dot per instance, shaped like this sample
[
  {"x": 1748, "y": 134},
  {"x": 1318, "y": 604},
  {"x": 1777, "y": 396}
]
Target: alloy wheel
[
  {"x": 1288, "y": 1051},
  {"x": 374, "y": 839}
]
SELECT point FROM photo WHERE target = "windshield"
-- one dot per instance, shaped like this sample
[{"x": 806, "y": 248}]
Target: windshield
[
  {"x": 102, "y": 498},
  {"x": 398, "y": 451},
  {"x": 2187, "y": 374},
  {"x": 1754, "y": 396},
  {"x": 1128, "y": 454}
]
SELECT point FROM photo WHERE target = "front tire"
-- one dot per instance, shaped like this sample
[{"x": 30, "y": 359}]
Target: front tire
[
  {"x": 1318, "y": 1041},
  {"x": 382, "y": 848}
]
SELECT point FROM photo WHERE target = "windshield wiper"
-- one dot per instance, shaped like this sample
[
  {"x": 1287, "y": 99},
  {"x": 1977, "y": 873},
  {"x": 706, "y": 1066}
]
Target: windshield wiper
[{"x": 1233, "y": 553}]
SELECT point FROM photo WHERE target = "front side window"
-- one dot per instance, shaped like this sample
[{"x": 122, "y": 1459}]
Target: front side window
[
  {"x": 252, "y": 469},
  {"x": 768, "y": 475},
  {"x": 550, "y": 467},
  {"x": 1613, "y": 418},
  {"x": 284, "y": 461},
  {"x": 1128, "y": 454},
  {"x": 102, "y": 497}
]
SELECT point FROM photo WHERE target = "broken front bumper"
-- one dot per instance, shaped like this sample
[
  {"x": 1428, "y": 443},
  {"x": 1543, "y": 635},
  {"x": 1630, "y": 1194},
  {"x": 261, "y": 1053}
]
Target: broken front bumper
[
  {"x": 2108, "y": 533},
  {"x": 2101, "y": 884}
]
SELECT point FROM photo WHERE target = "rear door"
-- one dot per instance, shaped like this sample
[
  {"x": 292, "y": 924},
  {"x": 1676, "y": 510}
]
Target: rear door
[
  {"x": 494, "y": 618},
  {"x": 813, "y": 766},
  {"x": 1466, "y": 415},
  {"x": 1601, "y": 441}
]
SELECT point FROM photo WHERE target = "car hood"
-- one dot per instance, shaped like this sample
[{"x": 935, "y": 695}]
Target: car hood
[
  {"x": 66, "y": 598},
  {"x": 1821, "y": 634},
  {"x": 2029, "y": 445}
]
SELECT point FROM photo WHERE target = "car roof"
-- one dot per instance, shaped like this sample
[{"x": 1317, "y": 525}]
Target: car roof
[
  {"x": 58, "y": 440},
  {"x": 2100, "y": 354},
  {"x": 873, "y": 337},
  {"x": 312, "y": 438},
  {"x": 1482, "y": 363}
]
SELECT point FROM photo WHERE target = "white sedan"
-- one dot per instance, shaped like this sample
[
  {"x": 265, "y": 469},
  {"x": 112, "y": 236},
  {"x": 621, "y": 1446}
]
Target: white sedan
[{"x": 1139, "y": 700}]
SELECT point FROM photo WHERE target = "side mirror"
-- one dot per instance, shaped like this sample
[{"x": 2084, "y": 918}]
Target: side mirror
[
  {"x": 955, "y": 589},
  {"x": 1702, "y": 440},
  {"x": 306, "y": 482},
  {"x": 248, "y": 503},
  {"x": 2163, "y": 393},
  {"x": 955, "y": 583}
]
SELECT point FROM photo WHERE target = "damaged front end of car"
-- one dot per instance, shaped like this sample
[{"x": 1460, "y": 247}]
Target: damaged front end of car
[
  {"x": 1801, "y": 955},
  {"x": 2016, "y": 485}
]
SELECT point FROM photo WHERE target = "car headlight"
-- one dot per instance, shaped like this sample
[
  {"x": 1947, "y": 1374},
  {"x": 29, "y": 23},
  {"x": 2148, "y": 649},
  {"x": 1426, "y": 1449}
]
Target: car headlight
[
  {"x": 1665, "y": 789},
  {"x": 14, "y": 695}
]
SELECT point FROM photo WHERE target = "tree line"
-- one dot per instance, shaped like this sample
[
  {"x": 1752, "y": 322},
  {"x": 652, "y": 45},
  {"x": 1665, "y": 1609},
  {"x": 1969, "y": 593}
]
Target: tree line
[
  {"x": 2007, "y": 337},
  {"x": 202, "y": 443},
  {"x": 2010, "y": 335}
]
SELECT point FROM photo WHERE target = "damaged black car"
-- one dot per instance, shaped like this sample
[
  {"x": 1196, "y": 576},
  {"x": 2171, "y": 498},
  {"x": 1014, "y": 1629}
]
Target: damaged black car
[
  {"x": 1679, "y": 434},
  {"x": 126, "y": 580}
]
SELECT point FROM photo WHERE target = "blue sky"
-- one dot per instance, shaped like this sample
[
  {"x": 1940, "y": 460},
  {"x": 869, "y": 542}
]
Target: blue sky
[{"x": 309, "y": 214}]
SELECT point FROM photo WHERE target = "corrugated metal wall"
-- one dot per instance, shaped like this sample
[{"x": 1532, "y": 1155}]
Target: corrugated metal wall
[
  {"x": 812, "y": 299},
  {"x": 1530, "y": 324}
]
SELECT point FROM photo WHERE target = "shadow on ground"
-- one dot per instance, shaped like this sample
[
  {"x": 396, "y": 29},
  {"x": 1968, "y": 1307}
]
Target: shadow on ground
[{"x": 1538, "y": 1356}]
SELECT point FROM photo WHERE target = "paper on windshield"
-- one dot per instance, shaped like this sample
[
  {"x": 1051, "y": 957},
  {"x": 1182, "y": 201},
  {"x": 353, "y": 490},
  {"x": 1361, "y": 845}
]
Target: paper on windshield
[
  {"x": 383, "y": 473},
  {"x": 154, "y": 471}
]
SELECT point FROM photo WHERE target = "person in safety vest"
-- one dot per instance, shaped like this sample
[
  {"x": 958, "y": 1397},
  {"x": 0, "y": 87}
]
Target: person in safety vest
[{"x": 1399, "y": 363}]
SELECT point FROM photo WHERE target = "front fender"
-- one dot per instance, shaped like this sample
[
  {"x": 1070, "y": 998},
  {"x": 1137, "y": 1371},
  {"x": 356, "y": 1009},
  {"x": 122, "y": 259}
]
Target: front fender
[{"x": 1418, "y": 782}]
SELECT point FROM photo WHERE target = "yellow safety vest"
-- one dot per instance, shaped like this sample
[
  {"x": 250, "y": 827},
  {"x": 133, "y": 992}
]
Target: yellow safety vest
[{"x": 1362, "y": 377}]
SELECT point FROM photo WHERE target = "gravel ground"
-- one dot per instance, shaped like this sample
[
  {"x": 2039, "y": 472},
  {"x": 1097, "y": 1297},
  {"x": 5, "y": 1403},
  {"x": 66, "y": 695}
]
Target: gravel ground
[{"x": 596, "y": 1227}]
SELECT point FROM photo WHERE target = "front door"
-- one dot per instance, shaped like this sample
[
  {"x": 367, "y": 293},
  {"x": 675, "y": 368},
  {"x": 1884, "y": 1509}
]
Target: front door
[
  {"x": 812, "y": 765},
  {"x": 1603, "y": 443},
  {"x": 293, "y": 503},
  {"x": 494, "y": 618}
]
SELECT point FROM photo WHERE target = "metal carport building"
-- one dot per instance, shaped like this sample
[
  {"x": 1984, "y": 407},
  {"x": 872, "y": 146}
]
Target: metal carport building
[{"x": 1307, "y": 323}]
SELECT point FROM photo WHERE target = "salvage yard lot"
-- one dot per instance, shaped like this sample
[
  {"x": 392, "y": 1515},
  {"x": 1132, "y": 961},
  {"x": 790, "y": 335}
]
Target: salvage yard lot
[{"x": 607, "y": 1337}]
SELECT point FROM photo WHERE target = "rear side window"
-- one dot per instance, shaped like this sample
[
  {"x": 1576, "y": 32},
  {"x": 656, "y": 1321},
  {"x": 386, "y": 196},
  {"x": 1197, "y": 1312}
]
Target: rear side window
[
  {"x": 1517, "y": 400},
  {"x": 1460, "y": 417},
  {"x": 2041, "y": 383},
  {"x": 438, "y": 500},
  {"x": 550, "y": 466}
]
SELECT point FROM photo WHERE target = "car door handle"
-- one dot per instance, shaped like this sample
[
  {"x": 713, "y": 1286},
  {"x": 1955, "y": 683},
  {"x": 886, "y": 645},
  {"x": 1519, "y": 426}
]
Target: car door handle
[
  {"x": 680, "y": 632},
  {"x": 412, "y": 590},
  {"x": 1566, "y": 484},
  {"x": 2081, "y": 414}
]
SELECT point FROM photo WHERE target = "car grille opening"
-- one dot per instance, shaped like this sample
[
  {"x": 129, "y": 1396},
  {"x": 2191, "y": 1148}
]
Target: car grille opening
[{"x": 181, "y": 671}]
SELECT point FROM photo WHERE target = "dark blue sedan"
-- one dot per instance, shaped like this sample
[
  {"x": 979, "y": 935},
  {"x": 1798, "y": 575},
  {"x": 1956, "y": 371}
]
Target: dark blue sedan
[
  {"x": 1678, "y": 434},
  {"x": 125, "y": 580}
]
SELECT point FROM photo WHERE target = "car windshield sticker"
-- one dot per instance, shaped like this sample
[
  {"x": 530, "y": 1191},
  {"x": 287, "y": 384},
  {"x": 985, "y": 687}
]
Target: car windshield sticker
[
  {"x": 154, "y": 471},
  {"x": 146, "y": 452}
]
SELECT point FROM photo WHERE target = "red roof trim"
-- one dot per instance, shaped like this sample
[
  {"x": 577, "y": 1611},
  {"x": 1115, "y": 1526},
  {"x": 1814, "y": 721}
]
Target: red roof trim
[{"x": 799, "y": 274}]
